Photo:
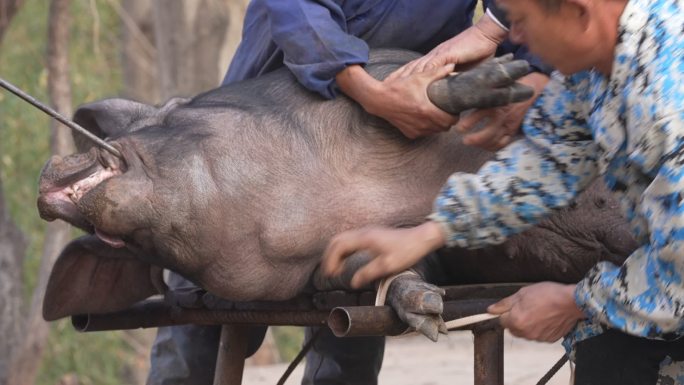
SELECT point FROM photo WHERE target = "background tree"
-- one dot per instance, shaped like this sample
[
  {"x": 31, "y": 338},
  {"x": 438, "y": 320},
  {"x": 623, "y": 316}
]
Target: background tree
[
  {"x": 177, "y": 48},
  {"x": 12, "y": 248},
  {"x": 27, "y": 356},
  {"x": 8, "y": 8}
]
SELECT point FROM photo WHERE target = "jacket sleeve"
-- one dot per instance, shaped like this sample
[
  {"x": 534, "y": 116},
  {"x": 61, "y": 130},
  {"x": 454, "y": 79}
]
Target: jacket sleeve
[
  {"x": 526, "y": 180},
  {"x": 645, "y": 296},
  {"x": 313, "y": 37},
  {"x": 496, "y": 13}
]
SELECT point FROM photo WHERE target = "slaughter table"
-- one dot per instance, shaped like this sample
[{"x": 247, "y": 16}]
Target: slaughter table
[{"x": 347, "y": 314}]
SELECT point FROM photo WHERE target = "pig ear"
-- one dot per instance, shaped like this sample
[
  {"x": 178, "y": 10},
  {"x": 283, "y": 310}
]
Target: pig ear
[
  {"x": 91, "y": 277},
  {"x": 108, "y": 118}
]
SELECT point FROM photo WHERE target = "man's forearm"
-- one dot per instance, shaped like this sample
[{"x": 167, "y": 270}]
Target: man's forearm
[{"x": 357, "y": 84}]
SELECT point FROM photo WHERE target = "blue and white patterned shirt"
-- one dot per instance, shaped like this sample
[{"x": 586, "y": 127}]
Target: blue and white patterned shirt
[{"x": 629, "y": 128}]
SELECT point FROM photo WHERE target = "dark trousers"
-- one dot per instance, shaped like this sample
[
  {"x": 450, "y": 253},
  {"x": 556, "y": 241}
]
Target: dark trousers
[
  {"x": 186, "y": 355},
  {"x": 616, "y": 358}
]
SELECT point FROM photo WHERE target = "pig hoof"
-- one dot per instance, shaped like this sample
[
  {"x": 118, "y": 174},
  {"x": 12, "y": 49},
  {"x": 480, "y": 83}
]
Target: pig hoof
[{"x": 419, "y": 304}]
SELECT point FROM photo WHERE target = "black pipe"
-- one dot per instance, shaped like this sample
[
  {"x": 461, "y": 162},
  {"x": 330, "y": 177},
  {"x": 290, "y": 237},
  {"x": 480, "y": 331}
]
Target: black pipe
[{"x": 155, "y": 313}]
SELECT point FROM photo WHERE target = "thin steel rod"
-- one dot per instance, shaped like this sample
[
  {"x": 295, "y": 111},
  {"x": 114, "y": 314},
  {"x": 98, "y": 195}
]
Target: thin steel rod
[{"x": 56, "y": 115}]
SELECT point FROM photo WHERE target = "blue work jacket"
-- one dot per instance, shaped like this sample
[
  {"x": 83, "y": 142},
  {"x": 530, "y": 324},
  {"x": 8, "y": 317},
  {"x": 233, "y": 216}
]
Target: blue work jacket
[{"x": 316, "y": 39}]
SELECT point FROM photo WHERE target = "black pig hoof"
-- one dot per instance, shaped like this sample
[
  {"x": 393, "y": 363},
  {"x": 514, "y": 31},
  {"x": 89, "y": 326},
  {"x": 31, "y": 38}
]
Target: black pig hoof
[{"x": 419, "y": 304}]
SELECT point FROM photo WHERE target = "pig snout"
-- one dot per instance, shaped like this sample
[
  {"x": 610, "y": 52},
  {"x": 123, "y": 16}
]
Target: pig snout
[{"x": 64, "y": 181}]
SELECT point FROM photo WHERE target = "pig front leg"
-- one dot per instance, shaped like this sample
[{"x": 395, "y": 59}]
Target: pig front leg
[{"x": 418, "y": 303}]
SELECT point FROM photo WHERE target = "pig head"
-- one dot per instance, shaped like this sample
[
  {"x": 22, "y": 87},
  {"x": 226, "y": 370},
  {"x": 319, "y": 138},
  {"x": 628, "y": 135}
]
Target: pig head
[{"x": 238, "y": 189}]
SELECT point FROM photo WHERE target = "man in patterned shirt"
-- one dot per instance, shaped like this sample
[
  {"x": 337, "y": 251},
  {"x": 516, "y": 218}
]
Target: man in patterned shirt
[{"x": 617, "y": 113}]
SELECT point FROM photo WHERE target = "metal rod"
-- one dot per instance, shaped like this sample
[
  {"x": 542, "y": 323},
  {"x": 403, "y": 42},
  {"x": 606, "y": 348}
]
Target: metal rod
[
  {"x": 356, "y": 321},
  {"x": 489, "y": 359},
  {"x": 230, "y": 363},
  {"x": 154, "y": 313},
  {"x": 56, "y": 115}
]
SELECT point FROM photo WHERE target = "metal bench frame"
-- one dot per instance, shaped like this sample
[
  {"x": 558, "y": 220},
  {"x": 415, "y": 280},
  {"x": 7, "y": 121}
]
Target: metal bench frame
[{"x": 198, "y": 307}]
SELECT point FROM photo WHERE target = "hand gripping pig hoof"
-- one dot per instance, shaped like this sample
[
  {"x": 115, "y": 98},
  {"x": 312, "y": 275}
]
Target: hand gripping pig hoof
[
  {"x": 490, "y": 84},
  {"x": 419, "y": 304}
]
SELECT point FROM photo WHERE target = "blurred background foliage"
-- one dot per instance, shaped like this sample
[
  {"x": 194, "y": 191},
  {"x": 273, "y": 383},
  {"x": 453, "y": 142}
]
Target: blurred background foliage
[
  {"x": 25, "y": 130},
  {"x": 99, "y": 358}
]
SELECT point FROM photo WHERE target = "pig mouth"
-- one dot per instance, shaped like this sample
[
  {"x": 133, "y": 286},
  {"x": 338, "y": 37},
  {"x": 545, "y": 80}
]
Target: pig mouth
[
  {"x": 63, "y": 203},
  {"x": 77, "y": 190}
]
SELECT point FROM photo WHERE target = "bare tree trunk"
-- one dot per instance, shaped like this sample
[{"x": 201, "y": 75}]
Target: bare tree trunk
[
  {"x": 139, "y": 54},
  {"x": 12, "y": 249},
  {"x": 8, "y": 8},
  {"x": 177, "y": 48},
  {"x": 189, "y": 36},
  {"x": 26, "y": 361},
  {"x": 236, "y": 14}
]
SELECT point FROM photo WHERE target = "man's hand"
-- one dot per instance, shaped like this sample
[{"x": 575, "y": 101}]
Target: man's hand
[
  {"x": 402, "y": 102},
  {"x": 499, "y": 126},
  {"x": 393, "y": 250},
  {"x": 542, "y": 312},
  {"x": 468, "y": 47}
]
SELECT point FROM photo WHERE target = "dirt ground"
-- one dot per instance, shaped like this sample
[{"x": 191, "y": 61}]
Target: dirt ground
[{"x": 417, "y": 361}]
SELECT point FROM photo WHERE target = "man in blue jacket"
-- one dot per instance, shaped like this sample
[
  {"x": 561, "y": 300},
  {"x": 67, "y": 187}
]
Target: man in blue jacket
[
  {"x": 325, "y": 44},
  {"x": 615, "y": 110}
]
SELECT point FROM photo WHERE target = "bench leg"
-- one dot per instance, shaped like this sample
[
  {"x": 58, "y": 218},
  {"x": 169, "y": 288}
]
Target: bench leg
[
  {"x": 489, "y": 356},
  {"x": 231, "y": 355}
]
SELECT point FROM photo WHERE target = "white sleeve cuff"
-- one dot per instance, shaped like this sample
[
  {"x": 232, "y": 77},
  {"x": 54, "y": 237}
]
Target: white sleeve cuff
[{"x": 496, "y": 20}]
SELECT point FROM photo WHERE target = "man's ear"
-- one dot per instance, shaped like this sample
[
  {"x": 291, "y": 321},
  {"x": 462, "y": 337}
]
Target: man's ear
[
  {"x": 91, "y": 277},
  {"x": 579, "y": 9}
]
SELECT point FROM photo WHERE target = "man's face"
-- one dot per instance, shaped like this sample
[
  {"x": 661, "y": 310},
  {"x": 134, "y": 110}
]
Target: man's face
[{"x": 560, "y": 37}]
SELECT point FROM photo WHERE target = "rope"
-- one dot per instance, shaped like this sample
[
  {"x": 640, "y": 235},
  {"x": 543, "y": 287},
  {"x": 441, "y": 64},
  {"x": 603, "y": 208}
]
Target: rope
[
  {"x": 383, "y": 286},
  {"x": 300, "y": 356},
  {"x": 554, "y": 369}
]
